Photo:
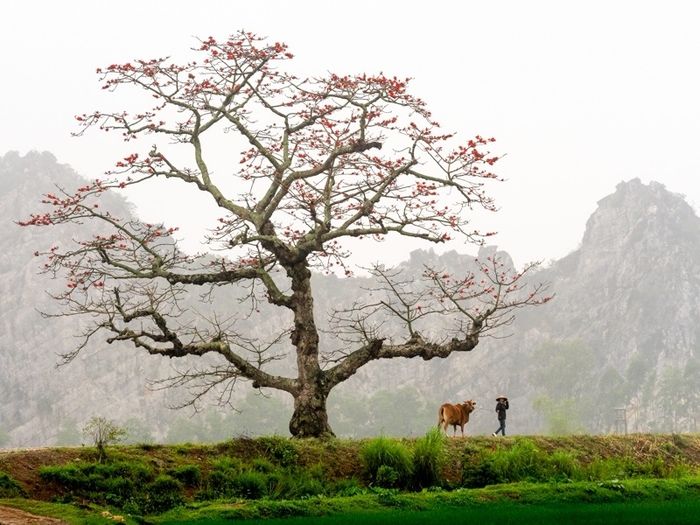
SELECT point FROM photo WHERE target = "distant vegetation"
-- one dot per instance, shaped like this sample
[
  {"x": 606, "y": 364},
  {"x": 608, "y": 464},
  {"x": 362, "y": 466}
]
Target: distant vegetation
[
  {"x": 574, "y": 395},
  {"x": 275, "y": 476}
]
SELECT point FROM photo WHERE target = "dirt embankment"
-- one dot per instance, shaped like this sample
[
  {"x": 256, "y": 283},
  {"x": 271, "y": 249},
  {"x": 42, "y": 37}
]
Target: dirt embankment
[
  {"x": 341, "y": 458},
  {"x": 24, "y": 465},
  {"x": 10, "y": 516}
]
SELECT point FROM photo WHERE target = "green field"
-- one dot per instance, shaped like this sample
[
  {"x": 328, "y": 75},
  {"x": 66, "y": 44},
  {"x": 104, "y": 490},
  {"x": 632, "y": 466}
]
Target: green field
[
  {"x": 678, "y": 512},
  {"x": 634, "y": 501}
]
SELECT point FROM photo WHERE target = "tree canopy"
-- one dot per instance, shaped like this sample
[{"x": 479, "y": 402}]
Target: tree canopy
[{"x": 314, "y": 162}]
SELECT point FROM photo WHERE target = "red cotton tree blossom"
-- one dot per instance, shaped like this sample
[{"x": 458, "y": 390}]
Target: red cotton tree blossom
[{"x": 315, "y": 161}]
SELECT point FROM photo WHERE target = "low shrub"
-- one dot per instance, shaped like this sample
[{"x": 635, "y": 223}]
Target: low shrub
[
  {"x": 227, "y": 464},
  {"x": 249, "y": 485},
  {"x": 305, "y": 486},
  {"x": 218, "y": 484},
  {"x": 280, "y": 450},
  {"x": 347, "y": 487},
  {"x": 477, "y": 472},
  {"x": 119, "y": 484},
  {"x": 92, "y": 476},
  {"x": 262, "y": 465},
  {"x": 293, "y": 484},
  {"x": 9, "y": 488},
  {"x": 134, "y": 470},
  {"x": 188, "y": 475},
  {"x": 229, "y": 477},
  {"x": 654, "y": 468},
  {"x": 163, "y": 493},
  {"x": 116, "y": 491},
  {"x": 387, "y": 477},
  {"x": 70, "y": 476},
  {"x": 385, "y": 452}
]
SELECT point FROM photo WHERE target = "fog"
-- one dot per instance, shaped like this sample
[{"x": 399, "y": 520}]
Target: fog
[{"x": 579, "y": 96}]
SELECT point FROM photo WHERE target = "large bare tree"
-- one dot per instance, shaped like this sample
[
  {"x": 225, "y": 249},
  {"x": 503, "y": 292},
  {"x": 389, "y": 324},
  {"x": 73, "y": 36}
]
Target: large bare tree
[{"x": 314, "y": 161}]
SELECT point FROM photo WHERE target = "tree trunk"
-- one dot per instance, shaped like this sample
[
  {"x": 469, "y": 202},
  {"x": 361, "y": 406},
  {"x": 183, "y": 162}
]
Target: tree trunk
[{"x": 310, "y": 418}]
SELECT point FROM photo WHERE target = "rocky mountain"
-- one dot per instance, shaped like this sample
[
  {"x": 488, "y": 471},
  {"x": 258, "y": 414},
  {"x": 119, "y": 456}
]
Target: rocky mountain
[
  {"x": 630, "y": 298},
  {"x": 619, "y": 339},
  {"x": 39, "y": 399}
]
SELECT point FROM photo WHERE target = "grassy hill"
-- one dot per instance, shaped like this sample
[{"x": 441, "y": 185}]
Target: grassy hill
[{"x": 278, "y": 477}]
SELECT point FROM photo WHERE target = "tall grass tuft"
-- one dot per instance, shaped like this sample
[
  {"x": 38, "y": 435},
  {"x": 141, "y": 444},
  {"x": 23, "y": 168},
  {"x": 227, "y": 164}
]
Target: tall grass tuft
[
  {"x": 387, "y": 462},
  {"x": 280, "y": 450},
  {"x": 163, "y": 493},
  {"x": 428, "y": 459},
  {"x": 522, "y": 462},
  {"x": 188, "y": 475}
]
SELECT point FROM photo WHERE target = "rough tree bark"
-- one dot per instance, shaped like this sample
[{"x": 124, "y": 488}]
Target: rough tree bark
[{"x": 310, "y": 417}]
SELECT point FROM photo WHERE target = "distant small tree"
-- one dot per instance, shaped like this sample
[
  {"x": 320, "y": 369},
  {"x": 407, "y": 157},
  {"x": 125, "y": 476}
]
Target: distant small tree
[{"x": 103, "y": 432}]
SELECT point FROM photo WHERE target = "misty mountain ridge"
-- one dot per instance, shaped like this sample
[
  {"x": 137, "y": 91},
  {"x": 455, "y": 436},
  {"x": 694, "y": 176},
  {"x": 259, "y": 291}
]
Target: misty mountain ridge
[{"x": 621, "y": 332}]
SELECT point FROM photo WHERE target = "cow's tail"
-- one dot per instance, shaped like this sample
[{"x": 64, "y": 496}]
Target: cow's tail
[{"x": 440, "y": 418}]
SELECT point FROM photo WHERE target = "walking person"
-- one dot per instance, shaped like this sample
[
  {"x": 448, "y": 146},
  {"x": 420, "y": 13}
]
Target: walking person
[{"x": 501, "y": 407}]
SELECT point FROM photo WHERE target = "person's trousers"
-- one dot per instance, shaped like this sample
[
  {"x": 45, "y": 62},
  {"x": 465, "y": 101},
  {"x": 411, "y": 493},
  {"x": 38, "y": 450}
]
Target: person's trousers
[{"x": 502, "y": 428}]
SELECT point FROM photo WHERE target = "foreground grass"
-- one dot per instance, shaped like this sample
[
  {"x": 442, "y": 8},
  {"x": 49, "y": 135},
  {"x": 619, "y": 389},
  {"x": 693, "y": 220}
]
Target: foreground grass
[
  {"x": 676, "y": 512},
  {"x": 679, "y": 495},
  {"x": 71, "y": 514},
  {"x": 273, "y": 477},
  {"x": 631, "y": 501}
]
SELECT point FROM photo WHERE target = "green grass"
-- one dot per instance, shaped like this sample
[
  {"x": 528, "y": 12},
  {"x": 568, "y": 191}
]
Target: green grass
[
  {"x": 627, "y": 501},
  {"x": 578, "y": 495},
  {"x": 68, "y": 513},
  {"x": 274, "y": 477},
  {"x": 9, "y": 488},
  {"x": 429, "y": 458},
  {"x": 681, "y": 511},
  {"x": 524, "y": 460},
  {"x": 388, "y": 462},
  {"x": 678, "y": 512}
]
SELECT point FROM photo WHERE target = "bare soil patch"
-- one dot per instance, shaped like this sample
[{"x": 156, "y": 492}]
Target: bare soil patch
[{"x": 10, "y": 516}]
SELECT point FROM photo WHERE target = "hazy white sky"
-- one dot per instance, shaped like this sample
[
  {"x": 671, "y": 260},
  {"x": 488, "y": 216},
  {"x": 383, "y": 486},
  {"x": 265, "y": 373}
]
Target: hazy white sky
[{"x": 579, "y": 95}]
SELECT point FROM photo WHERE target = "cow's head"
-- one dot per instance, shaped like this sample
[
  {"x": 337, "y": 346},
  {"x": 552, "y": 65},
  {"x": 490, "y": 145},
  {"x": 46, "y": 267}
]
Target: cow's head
[{"x": 470, "y": 405}]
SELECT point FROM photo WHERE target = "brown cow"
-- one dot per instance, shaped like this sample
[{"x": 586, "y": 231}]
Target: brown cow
[{"x": 455, "y": 415}]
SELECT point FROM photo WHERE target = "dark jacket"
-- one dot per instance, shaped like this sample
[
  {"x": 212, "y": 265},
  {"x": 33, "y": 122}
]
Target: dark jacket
[{"x": 501, "y": 408}]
